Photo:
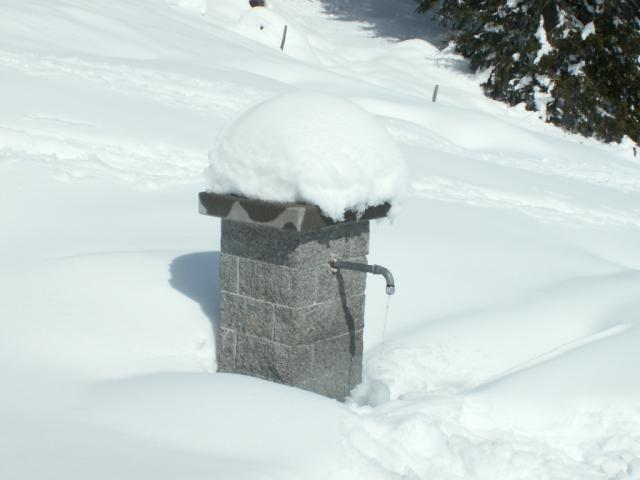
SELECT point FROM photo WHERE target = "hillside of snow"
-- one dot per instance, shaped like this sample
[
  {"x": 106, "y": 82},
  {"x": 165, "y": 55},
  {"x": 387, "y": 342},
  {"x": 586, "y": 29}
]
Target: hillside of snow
[{"x": 510, "y": 351}]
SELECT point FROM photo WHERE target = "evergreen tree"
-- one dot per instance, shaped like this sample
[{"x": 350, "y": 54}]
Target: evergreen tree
[{"x": 577, "y": 62}]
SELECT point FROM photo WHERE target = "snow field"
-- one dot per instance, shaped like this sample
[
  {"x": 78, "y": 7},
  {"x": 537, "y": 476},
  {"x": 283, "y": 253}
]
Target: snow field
[{"x": 511, "y": 344}]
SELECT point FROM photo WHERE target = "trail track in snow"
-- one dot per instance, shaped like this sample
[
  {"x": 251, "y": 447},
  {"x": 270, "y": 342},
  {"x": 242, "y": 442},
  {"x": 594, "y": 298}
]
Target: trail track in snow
[
  {"x": 167, "y": 87},
  {"x": 81, "y": 149},
  {"x": 548, "y": 207},
  {"x": 85, "y": 158}
]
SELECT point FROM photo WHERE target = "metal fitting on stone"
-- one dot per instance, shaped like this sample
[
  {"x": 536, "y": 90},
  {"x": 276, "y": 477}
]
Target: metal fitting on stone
[{"x": 363, "y": 267}]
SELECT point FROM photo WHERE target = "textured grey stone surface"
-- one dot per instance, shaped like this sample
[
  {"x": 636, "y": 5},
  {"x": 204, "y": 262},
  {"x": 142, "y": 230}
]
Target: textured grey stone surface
[
  {"x": 299, "y": 326},
  {"x": 359, "y": 243},
  {"x": 285, "y": 314},
  {"x": 295, "y": 249},
  {"x": 246, "y": 315},
  {"x": 334, "y": 385},
  {"x": 355, "y": 372},
  {"x": 335, "y": 354},
  {"x": 344, "y": 283},
  {"x": 228, "y": 273},
  {"x": 226, "y": 350},
  {"x": 259, "y": 242},
  {"x": 273, "y": 361},
  {"x": 277, "y": 284}
]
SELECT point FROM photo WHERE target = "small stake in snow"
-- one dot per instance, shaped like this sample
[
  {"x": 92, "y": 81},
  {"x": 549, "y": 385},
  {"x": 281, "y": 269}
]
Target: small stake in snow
[
  {"x": 284, "y": 38},
  {"x": 635, "y": 151},
  {"x": 435, "y": 94}
]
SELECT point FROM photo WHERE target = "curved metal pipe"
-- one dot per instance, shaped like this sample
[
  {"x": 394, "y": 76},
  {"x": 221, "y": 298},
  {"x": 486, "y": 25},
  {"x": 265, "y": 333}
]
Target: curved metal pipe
[{"x": 364, "y": 267}]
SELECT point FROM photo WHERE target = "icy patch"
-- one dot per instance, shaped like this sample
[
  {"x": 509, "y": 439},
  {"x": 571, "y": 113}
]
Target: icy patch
[{"x": 309, "y": 147}]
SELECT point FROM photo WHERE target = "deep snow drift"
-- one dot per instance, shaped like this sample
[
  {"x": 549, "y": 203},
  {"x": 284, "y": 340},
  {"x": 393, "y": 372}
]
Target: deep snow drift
[
  {"x": 511, "y": 347},
  {"x": 309, "y": 147}
]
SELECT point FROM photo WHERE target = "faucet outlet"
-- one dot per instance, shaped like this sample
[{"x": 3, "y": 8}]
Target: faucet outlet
[{"x": 363, "y": 267}]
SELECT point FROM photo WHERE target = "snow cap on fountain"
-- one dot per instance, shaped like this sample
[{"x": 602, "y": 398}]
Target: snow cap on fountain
[{"x": 309, "y": 147}]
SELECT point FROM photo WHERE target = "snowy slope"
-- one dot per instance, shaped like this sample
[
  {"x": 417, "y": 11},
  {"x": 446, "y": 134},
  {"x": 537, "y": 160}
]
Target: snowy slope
[{"x": 511, "y": 347}]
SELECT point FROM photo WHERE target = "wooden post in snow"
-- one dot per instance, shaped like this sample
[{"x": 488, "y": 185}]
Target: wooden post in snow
[{"x": 284, "y": 38}]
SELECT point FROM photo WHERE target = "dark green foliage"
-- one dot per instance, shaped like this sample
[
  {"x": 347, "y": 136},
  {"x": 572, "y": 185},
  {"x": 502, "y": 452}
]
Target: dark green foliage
[{"x": 587, "y": 83}]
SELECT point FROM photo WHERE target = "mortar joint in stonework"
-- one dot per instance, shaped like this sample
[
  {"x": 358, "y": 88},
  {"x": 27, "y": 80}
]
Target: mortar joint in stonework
[
  {"x": 237, "y": 274},
  {"x": 273, "y": 327}
]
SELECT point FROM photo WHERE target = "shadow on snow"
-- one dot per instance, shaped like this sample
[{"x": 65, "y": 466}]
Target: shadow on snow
[
  {"x": 196, "y": 276},
  {"x": 392, "y": 19}
]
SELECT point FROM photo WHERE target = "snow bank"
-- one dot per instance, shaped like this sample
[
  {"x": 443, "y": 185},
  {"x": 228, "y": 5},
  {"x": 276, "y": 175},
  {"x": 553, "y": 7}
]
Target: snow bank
[
  {"x": 264, "y": 25},
  {"x": 267, "y": 27},
  {"x": 247, "y": 424},
  {"x": 308, "y": 147},
  {"x": 510, "y": 350}
]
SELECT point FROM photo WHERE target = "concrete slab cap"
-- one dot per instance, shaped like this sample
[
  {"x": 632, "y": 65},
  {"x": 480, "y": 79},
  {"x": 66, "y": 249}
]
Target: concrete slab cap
[{"x": 287, "y": 215}]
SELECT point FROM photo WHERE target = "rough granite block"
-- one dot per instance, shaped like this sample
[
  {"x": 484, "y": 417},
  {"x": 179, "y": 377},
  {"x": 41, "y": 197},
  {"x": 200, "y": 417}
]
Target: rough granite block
[
  {"x": 228, "y": 273},
  {"x": 319, "y": 248},
  {"x": 295, "y": 249},
  {"x": 273, "y": 361},
  {"x": 355, "y": 372},
  {"x": 344, "y": 283},
  {"x": 334, "y": 385},
  {"x": 336, "y": 354},
  {"x": 277, "y": 284},
  {"x": 246, "y": 315},
  {"x": 337, "y": 241},
  {"x": 299, "y": 326},
  {"x": 285, "y": 315},
  {"x": 226, "y": 350},
  {"x": 259, "y": 242},
  {"x": 359, "y": 242}
]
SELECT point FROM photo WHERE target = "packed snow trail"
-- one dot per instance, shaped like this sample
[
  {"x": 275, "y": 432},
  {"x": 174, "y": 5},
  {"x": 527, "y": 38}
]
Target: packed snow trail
[{"x": 511, "y": 347}]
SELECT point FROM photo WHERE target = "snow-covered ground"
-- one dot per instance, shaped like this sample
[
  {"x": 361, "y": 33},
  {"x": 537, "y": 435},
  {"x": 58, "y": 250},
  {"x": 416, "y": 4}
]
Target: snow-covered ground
[{"x": 512, "y": 346}]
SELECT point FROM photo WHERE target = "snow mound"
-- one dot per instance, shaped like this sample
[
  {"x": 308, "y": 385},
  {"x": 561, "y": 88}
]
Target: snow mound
[
  {"x": 309, "y": 147},
  {"x": 226, "y": 10},
  {"x": 266, "y": 26}
]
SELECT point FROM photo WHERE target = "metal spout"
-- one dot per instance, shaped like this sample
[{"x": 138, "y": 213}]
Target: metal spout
[{"x": 363, "y": 267}]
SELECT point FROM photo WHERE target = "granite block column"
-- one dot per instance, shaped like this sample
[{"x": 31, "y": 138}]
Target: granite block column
[{"x": 285, "y": 315}]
